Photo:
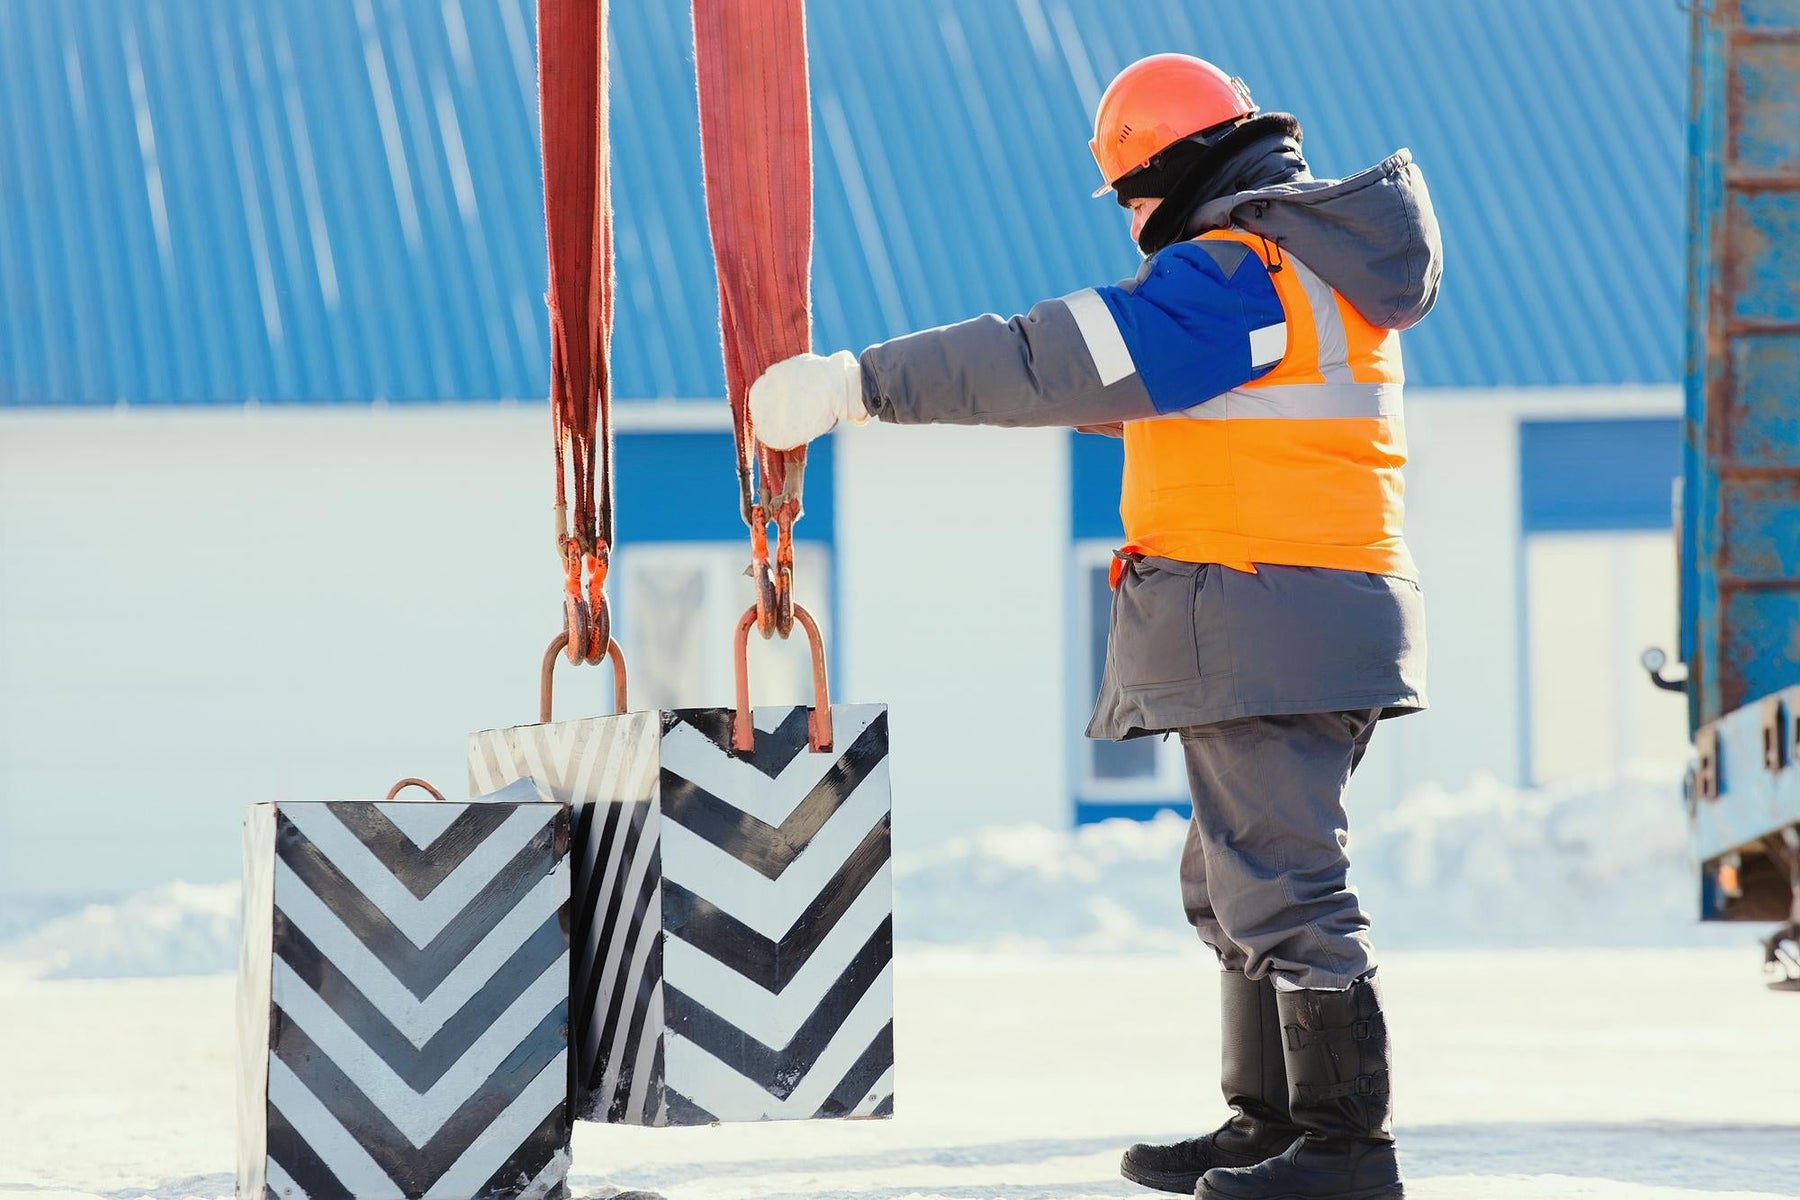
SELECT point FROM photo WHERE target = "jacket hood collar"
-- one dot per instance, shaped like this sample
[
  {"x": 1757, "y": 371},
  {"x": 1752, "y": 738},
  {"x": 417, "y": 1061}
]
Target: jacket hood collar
[
  {"x": 1372, "y": 236},
  {"x": 1258, "y": 153}
]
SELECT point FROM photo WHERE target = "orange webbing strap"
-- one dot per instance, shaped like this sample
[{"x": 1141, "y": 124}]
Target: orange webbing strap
[
  {"x": 572, "y": 80},
  {"x": 756, "y": 144}
]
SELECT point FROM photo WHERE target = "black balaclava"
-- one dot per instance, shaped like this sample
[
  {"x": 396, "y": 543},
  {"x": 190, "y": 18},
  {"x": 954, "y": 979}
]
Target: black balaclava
[{"x": 1261, "y": 151}]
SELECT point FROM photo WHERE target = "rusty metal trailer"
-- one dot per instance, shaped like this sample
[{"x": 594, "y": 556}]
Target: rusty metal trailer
[{"x": 1740, "y": 496}]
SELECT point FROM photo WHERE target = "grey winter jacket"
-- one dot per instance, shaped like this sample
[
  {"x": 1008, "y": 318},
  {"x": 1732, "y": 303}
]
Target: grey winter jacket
[{"x": 1196, "y": 643}]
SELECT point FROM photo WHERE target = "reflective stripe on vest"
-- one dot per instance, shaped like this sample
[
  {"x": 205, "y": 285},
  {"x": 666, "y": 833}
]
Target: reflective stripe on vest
[{"x": 1300, "y": 467}]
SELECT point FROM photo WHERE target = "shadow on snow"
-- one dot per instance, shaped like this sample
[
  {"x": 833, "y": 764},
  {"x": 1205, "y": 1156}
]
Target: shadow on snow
[{"x": 1706, "y": 1157}]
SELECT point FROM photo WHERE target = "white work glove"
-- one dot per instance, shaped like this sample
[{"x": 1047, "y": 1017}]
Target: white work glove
[{"x": 801, "y": 398}]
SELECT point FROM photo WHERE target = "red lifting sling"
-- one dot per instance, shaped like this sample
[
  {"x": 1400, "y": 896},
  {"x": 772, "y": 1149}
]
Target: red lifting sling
[
  {"x": 756, "y": 143},
  {"x": 572, "y": 87}
]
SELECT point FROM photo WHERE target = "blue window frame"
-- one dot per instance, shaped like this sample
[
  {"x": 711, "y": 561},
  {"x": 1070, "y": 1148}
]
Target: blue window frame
[
  {"x": 679, "y": 583},
  {"x": 1593, "y": 476},
  {"x": 1593, "y": 585},
  {"x": 1142, "y": 777}
]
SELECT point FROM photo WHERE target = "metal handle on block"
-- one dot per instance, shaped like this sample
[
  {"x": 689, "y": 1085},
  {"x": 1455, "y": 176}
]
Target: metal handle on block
[
  {"x": 818, "y": 722},
  {"x": 409, "y": 781},
  {"x": 547, "y": 675}
]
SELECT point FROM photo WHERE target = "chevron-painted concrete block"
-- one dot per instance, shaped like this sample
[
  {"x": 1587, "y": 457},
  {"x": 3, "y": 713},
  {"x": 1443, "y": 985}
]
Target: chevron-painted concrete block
[
  {"x": 403, "y": 1001},
  {"x": 733, "y": 913}
]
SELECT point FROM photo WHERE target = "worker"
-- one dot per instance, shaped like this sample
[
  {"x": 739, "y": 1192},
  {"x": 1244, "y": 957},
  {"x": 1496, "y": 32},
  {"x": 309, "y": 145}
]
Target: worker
[{"x": 1265, "y": 606}]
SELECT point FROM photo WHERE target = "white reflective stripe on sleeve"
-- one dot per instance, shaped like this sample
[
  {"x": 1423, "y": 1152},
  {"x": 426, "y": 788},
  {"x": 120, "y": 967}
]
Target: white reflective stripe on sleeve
[
  {"x": 1301, "y": 402},
  {"x": 1106, "y": 345},
  {"x": 1268, "y": 345}
]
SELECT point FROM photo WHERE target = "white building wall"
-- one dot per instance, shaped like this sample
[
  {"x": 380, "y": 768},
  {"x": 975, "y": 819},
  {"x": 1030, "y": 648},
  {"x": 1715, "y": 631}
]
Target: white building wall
[
  {"x": 1463, "y": 522},
  {"x": 953, "y": 548},
  {"x": 202, "y": 609}
]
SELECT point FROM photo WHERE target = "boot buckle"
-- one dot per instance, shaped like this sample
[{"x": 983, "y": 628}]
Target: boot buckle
[
  {"x": 1365, "y": 1085},
  {"x": 1362, "y": 1031}
]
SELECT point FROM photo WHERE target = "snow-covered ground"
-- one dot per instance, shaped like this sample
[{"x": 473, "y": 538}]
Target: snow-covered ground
[
  {"x": 1522, "y": 1075},
  {"x": 1564, "y": 1027}
]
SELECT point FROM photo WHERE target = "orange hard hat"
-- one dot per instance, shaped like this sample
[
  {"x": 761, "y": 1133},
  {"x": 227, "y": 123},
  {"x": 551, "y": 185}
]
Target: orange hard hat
[{"x": 1154, "y": 103}]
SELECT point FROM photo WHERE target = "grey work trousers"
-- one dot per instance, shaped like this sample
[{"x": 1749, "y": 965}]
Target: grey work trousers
[{"x": 1264, "y": 875}]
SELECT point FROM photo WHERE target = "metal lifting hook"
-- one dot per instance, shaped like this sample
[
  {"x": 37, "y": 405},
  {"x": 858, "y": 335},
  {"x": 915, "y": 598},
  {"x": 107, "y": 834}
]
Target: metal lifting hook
[
  {"x": 784, "y": 568},
  {"x": 587, "y": 621},
  {"x": 774, "y": 582},
  {"x": 760, "y": 574}
]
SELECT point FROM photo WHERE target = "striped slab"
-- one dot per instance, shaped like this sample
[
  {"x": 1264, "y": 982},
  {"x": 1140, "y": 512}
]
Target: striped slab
[
  {"x": 733, "y": 913},
  {"x": 606, "y": 770},
  {"x": 403, "y": 1000}
]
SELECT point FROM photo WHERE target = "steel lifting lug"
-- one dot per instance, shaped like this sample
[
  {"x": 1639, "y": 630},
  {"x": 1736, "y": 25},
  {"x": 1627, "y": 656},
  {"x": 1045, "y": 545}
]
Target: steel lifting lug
[
  {"x": 547, "y": 676},
  {"x": 411, "y": 781},
  {"x": 818, "y": 721}
]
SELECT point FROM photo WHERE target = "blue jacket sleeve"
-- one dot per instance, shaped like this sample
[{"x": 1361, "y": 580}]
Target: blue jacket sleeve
[
  {"x": 1203, "y": 319},
  {"x": 1200, "y": 319}
]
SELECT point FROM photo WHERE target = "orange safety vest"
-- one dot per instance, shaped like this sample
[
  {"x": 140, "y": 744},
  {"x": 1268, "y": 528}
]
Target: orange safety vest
[{"x": 1298, "y": 468}]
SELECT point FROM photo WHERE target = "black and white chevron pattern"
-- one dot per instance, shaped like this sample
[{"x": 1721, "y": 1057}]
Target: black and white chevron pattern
[
  {"x": 404, "y": 1000},
  {"x": 605, "y": 768},
  {"x": 778, "y": 906},
  {"x": 733, "y": 915}
]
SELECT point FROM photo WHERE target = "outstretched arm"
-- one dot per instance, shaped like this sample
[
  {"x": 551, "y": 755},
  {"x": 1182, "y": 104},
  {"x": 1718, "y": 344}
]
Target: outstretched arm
[
  {"x": 1176, "y": 336},
  {"x": 1200, "y": 319},
  {"x": 1062, "y": 363}
]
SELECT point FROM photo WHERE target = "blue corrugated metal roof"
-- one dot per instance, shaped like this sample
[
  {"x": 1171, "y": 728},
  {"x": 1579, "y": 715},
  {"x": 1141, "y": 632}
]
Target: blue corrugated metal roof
[{"x": 203, "y": 201}]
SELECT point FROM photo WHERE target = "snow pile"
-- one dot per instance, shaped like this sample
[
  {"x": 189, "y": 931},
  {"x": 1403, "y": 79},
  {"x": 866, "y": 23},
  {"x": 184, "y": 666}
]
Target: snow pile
[
  {"x": 1105, "y": 887},
  {"x": 20, "y": 915},
  {"x": 1597, "y": 864},
  {"x": 1587, "y": 864},
  {"x": 1584, "y": 864},
  {"x": 176, "y": 929}
]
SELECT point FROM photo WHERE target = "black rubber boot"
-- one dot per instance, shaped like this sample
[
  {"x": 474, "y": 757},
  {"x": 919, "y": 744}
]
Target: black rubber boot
[
  {"x": 1337, "y": 1065},
  {"x": 1253, "y": 1075}
]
